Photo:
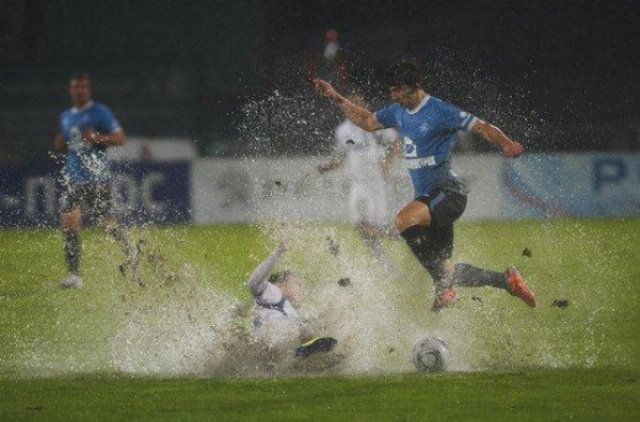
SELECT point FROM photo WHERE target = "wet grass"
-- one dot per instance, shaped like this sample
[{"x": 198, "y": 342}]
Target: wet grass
[
  {"x": 573, "y": 394},
  {"x": 49, "y": 337}
]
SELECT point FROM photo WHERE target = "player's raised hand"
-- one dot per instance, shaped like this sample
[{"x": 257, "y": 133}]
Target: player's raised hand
[
  {"x": 284, "y": 244},
  {"x": 325, "y": 88},
  {"x": 512, "y": 149}
]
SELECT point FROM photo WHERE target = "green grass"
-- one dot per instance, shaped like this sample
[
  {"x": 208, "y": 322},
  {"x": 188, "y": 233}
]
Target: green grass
[
  {"x": 602, "y": 394},
  {"x": 61, "y": 351}
]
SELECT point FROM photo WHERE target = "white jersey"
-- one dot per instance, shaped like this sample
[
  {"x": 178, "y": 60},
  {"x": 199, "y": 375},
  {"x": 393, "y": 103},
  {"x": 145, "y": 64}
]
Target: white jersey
[
  {"x": 271, "y": 305},
  {"x": 364, "y": 152},
  {"x": 277, "y": 324}
]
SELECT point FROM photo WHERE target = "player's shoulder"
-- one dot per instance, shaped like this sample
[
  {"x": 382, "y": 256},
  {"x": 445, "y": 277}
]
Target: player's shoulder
[
  {"x": 101, "y": 108},
  {"x": 442, "y": 107},
  {"x": 65, "y": 114},
  {"x": 438, "y": 102},
  {"x": 390, "y": 114},
  {"x": 393, "y": 108}
]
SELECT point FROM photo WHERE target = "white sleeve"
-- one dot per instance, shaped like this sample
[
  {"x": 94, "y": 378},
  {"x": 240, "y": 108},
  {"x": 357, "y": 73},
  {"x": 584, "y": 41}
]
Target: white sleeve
[
  {"x": 258, "y": 281},
  {"x": 270, "y": 295}
]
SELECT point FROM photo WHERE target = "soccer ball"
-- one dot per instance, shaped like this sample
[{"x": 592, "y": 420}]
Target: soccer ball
[{"x": 431, "y": 354}]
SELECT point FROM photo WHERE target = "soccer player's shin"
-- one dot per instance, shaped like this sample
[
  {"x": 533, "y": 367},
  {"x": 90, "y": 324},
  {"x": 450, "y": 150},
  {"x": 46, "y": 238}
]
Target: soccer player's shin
[
  {"x": 432, "y": 248},
  {"x": 429, "y": 251},
  {"x": 72, "y": 250},
  {"x": 468, "y": 275}
]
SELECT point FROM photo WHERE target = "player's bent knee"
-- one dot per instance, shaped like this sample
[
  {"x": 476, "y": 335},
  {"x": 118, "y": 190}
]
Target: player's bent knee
[
  {"x": 416, "y": 213},
  {"x": 399, "y": 222},
  {"x": 71, "y": 221},
  {"x": 407, "y": 217}
]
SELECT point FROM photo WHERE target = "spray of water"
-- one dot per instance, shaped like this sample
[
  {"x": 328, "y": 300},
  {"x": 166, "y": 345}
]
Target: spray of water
[{"x": 178, "y": 324}]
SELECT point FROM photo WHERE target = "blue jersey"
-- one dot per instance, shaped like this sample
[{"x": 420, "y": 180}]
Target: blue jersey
[
  {"x": 429, "y": 133},
  {"x": 84, "y": 162}
]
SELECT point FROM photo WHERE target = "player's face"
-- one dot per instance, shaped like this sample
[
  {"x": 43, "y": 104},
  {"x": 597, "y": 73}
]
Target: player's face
[
  {"x": 80, "y": 91},
  {"x": 293, "y": 289},
  {"x": 404, "y": 95}
]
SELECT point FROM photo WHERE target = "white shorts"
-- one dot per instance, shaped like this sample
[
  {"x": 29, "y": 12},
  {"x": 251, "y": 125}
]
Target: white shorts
[{"x": 368, "y": 204}]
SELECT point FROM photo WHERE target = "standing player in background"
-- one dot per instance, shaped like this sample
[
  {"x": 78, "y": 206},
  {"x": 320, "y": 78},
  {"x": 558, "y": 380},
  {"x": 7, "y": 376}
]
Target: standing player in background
[
  {"x": 329, "y": 62},
  {"x": 87, "y": 129},
  {"x": 428, "y": 127},
  {"x": 367, "y": 158}
]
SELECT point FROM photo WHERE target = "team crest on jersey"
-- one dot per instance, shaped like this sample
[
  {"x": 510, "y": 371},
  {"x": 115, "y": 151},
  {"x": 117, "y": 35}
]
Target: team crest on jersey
[
  {"x": 424, "y": 127},
  {"x": 410, "y": 149}
]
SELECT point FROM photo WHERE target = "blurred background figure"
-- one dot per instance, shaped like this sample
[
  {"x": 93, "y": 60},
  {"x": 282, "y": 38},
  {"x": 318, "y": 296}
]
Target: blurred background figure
[
  {"x": 87, "y": 129},
  {"x": 329, "y": 62},
  {"x": 367, "y": 158}
]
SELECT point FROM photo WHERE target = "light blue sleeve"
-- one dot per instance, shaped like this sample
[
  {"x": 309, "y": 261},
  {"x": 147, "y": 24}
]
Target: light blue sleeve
[
  {"x": 455, "y": 119},
  {"x": 106, "y": 122},
  {"x": 387, "y": 116}
]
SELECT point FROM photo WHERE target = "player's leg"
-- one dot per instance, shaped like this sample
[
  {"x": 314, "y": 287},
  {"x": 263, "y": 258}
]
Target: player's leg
[
  {"x": 510, "y": 280},
  {"x": 430, "y": 241},
  {"x": 472, "y": 276},
  {"x": 103, "y": 207},
  {"x": 426, "y": 224},
  {"x": 71, "y": 224},
  {"x": 366, "y": 216}
]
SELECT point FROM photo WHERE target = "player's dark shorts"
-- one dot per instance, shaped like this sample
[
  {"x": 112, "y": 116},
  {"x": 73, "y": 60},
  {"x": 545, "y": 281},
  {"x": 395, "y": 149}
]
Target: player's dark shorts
[
  {"x": 446, "y": 204},
  {"x": 94, "y": 198}
]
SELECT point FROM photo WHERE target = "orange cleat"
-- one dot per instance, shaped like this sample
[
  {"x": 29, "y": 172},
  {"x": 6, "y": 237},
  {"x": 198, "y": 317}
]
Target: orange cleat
[
  {"x": 518, "y": 287},
  {"x": 444, "y": 298}
]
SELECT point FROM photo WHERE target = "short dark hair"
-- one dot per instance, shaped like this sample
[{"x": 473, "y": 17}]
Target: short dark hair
[
  {"x": 80, "y": 76},
  {"x": 279, "y": 276},
  {"x": 406, "y": 72}
]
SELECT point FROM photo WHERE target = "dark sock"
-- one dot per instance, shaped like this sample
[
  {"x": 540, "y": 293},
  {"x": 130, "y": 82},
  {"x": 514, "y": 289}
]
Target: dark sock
[
  {"x": 422, "y": 245},
  {"x": 468, "y": 275},
  {"x": 72, "y": 250}
]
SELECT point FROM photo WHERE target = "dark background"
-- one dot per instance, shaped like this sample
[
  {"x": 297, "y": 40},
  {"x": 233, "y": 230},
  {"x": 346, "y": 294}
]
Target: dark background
[{"x": 559, "y": 75}]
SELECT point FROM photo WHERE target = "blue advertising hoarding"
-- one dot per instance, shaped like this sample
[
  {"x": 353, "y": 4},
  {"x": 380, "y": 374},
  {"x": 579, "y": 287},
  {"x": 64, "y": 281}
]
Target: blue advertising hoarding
[
  {"x": 142, "y": 192},
  {"x": 571, "y": 185}
]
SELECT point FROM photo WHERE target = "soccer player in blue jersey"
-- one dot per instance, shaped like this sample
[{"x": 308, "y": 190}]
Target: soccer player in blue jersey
[
  {"x": 428, "y": 127},
  {"x": 86, "y": 131}
]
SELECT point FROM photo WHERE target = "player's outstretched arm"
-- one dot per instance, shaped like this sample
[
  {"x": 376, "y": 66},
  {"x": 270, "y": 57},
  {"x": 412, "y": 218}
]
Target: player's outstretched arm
[
  {"x": 258, "y": 280},
  {"x": 493, "y": 135},
  {"x": 361, "y": 117},
  {"x": 116, "y": 138}
]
